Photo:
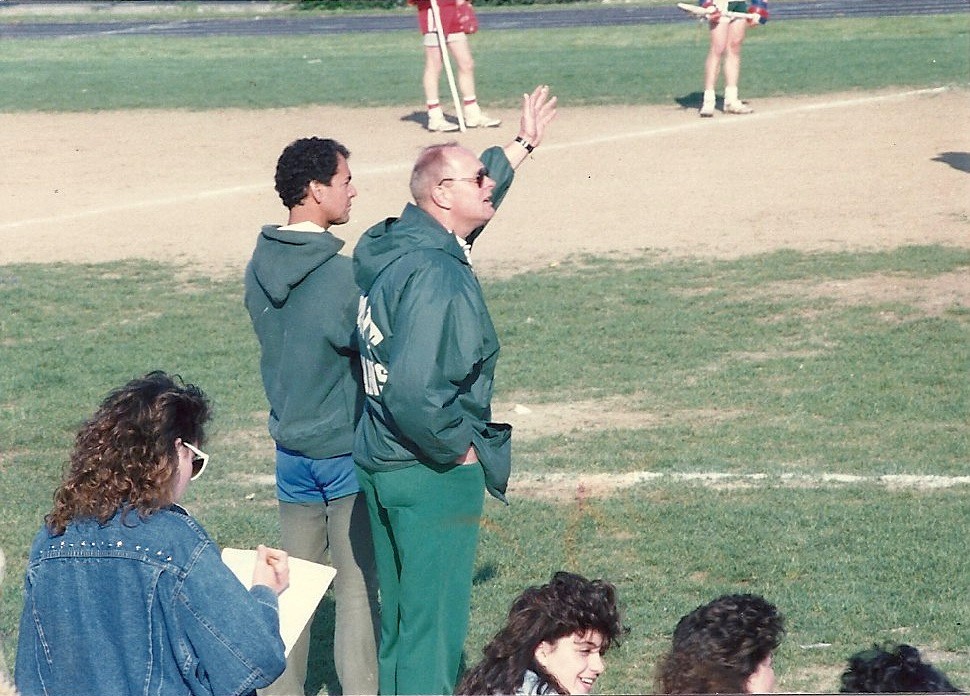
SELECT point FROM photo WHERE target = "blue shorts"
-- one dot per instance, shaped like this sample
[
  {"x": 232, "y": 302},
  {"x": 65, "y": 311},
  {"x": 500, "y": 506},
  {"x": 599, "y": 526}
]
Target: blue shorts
[{"x": 300, "y": 479}]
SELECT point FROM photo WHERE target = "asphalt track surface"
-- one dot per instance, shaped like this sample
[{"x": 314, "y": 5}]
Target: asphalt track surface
[{"x": 490, "y": 20}]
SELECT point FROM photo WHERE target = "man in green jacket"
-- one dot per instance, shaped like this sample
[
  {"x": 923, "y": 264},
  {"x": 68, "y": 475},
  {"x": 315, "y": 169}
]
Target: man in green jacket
[
  {"x": 302, "y": 300},
  {"x": 425, "y": 447}
]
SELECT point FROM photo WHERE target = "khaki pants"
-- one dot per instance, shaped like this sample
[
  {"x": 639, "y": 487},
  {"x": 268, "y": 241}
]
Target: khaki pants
[{"x": 337, "y": 534}]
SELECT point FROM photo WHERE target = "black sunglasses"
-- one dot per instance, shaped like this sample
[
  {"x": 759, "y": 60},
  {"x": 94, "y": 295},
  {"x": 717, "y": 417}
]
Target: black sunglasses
[{"x": 479, "y": 178}]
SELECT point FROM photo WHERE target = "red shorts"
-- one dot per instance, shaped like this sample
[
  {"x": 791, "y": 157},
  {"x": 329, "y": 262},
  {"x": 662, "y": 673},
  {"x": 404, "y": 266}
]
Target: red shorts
[{"x": 449, "y": 17}]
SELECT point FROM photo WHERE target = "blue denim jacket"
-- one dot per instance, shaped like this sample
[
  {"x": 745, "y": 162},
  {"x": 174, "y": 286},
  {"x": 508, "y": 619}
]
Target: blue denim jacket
[{"x": 142, "y": 606}]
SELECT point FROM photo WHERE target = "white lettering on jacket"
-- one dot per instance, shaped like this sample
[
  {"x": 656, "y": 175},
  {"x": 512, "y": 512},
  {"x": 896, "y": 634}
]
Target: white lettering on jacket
[{"x": 375, "y": 374}]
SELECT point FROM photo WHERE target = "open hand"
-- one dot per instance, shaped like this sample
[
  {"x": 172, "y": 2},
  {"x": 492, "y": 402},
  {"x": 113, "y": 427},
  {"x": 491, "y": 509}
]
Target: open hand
[{"x": 538, "y": 109}]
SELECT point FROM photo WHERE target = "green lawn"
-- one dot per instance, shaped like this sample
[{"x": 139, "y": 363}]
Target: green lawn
[
  {"x": 610, "y": 65},
  {"x": 741, "y": 369}
]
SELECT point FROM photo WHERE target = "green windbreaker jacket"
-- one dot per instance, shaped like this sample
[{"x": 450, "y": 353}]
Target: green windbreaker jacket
[{"x": 428, "y": 347}]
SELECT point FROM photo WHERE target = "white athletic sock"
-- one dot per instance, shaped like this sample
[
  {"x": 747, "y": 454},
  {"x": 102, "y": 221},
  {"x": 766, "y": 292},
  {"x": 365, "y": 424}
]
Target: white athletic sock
[{"x": 730, "y": 94}]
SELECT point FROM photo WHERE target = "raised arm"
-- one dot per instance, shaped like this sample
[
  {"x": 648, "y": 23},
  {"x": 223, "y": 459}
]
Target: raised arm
[{"x": 538, "y": 110}]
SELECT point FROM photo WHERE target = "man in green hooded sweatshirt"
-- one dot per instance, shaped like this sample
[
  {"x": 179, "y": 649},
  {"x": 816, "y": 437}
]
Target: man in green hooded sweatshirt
[
  {"x": 302, "y": 300},
  {"x": 425, "y": 447}
]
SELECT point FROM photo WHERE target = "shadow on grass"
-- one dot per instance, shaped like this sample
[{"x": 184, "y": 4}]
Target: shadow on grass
[
  {"x": 694, "y": 100},
  {"x": 484, "y": 574},
  {"x": 321, "y": 673}
]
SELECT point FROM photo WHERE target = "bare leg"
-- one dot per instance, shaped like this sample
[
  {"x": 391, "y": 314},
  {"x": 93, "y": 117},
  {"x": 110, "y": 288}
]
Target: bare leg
[
  {"x": 465, "y": 64},
  {"x": 732, "y": 57},
  {"x": 462, "y": 53},
  {"x": 712, "y": 65},
  {"x": 732, "y": 69},
  {"x": 433, "y": 66},
  {"x": 432, "y": 73},
  {"x": 719, "y": 41}
]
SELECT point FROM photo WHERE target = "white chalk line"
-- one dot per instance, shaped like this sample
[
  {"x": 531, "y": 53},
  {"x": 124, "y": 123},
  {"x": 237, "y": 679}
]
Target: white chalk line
[
  {"x": 406, "y": 166},
  {"x": 745, "y": 120},
  {"x": 576, "y": 480},
  {"x": 176, "y": 200}
]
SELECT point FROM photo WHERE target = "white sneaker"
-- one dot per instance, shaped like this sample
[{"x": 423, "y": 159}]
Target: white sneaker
[
  {"x": 438, "y": 124},
  {"x": 476, "y": 118},
  {"x": 737, "y": 107},
  {"x": 707, "y": 108}
]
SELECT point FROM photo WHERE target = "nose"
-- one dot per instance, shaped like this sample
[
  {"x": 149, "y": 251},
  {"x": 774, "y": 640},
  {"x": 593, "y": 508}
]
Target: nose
[
  {"x": 596, "y": 663},
  {"x": 353, "y": 191}
]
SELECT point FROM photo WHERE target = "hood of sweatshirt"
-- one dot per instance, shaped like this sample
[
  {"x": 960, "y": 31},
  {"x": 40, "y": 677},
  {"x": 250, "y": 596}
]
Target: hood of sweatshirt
[
  {"x": 283, "y": 258},
  {"x": 387, "y": 241}
]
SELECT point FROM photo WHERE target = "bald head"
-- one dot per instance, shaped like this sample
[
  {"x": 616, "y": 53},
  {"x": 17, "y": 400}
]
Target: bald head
[
  {"x": 433, "y": 165},
  {"x": 452, "y": 185}
]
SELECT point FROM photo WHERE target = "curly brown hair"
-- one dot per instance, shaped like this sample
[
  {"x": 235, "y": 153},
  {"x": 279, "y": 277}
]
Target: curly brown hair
[
  {"x": 303, "y": 161},
  {"x": 124, "y": 455},
  {"x": 885, "y": 669},
  {"x": 719, "y": 645},
  {"x": 567, "y": 605}
]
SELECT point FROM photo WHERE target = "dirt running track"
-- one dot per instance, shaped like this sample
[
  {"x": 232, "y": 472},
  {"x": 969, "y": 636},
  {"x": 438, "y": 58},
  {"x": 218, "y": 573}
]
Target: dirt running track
[{"x": 851, "y": 171}]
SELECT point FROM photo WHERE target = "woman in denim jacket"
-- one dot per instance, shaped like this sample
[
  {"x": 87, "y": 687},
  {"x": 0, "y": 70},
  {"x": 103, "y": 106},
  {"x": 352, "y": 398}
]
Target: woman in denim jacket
[{"x": 125, "y": 593}]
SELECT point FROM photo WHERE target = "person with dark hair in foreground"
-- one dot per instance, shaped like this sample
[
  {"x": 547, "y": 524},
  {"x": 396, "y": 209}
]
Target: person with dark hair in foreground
[
  {"x": 893, "y": 669},
  {"x": 724, "y": 646},
  {"x": 552, "y": 642},
  {"x": 125, "y": 592}
]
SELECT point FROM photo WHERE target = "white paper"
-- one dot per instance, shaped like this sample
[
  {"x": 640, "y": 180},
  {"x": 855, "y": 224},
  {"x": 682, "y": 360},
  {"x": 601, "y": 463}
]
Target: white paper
[{"x": 308, "y": 583}]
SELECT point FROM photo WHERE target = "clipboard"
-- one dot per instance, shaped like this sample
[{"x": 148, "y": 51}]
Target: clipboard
[{"x": 308, "y": 583}]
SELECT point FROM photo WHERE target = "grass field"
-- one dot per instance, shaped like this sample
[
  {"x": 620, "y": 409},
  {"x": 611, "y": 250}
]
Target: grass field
[
  {"x": 752, "y": 429},
  {"x": 639, "y": 64},
  {"x": 739, "y": 369}
]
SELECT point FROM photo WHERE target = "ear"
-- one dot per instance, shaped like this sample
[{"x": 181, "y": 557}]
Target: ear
[
  {"x": 181, "y": 451},
  {"x": 314, "y": 190},
  {"x": 441, "y": 197},
  {"x": 541, "y": 653}
]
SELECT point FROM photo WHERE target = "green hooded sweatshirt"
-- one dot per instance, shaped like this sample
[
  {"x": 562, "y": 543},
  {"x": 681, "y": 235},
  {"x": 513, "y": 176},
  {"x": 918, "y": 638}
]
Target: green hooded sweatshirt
[
  {"x": 302, "y": 300},
  {"x": 428, "y": 346}
]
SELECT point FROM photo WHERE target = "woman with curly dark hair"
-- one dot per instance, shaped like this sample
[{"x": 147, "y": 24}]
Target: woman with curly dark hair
[
  {"x": 552, "y": 642},
  {"x": 124, "y": 591},
  {"x": 723, "y": 647},
  {"x": 896, "y": 669}
]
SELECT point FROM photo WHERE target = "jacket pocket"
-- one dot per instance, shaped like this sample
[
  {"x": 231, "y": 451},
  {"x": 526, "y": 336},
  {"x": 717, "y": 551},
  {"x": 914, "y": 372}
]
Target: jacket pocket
[{"x": 493, "y": 443}]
